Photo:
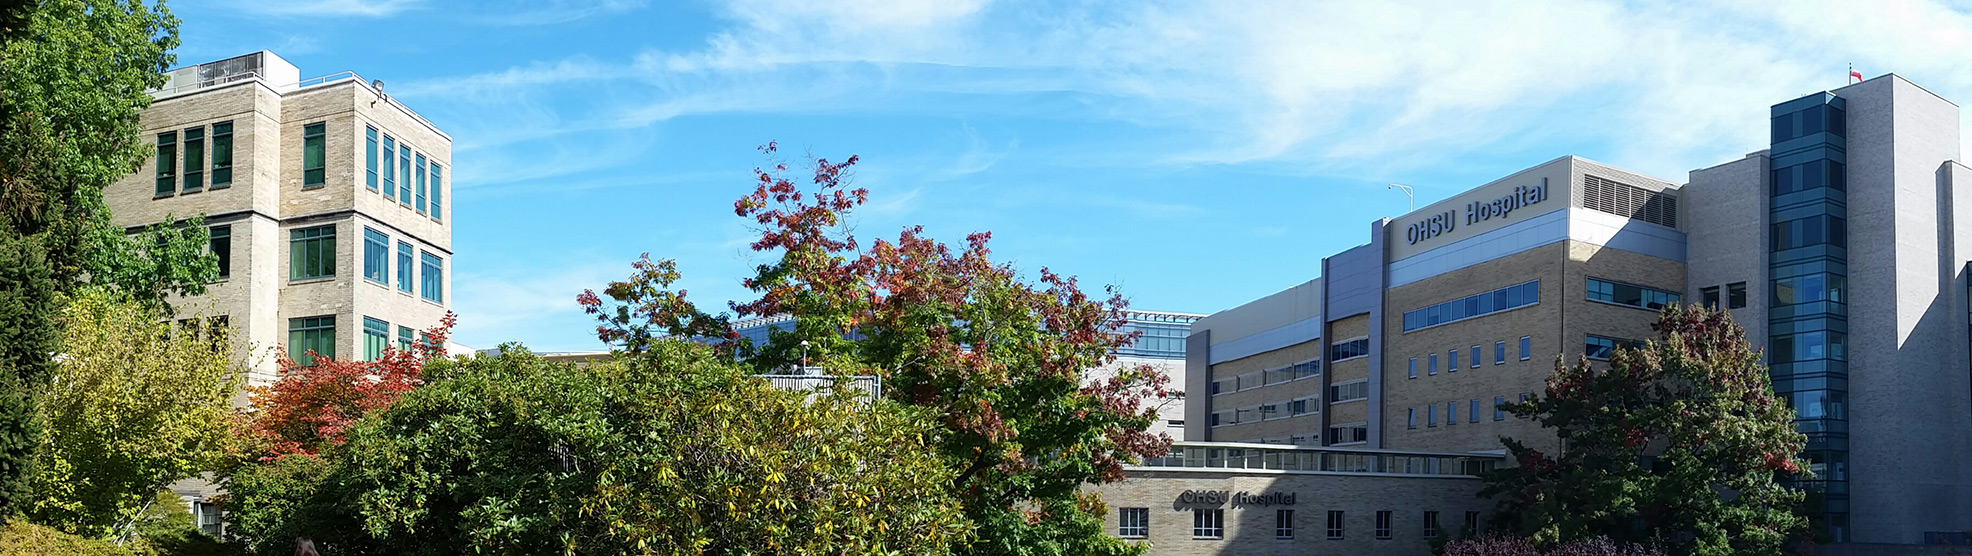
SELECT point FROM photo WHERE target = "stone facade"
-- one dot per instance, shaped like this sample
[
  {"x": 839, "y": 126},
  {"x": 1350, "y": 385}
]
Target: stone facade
[
  {"x": 266, "y": 200},
  {"x": 1252, "y": 528}
]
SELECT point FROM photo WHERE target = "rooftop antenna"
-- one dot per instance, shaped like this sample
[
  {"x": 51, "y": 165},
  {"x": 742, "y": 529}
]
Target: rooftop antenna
[{"x": 1407, "y": 194}]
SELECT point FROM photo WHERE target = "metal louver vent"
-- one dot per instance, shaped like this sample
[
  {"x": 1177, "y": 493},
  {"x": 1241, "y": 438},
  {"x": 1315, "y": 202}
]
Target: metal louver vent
[{"x": 1630, "y": 201}]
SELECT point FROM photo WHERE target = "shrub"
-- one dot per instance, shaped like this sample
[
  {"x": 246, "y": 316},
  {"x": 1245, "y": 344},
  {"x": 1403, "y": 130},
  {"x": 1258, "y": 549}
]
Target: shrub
[{"x": 1496, "y": 545}]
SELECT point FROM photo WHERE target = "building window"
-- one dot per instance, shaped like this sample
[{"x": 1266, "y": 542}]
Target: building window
[
  {"x": 1431, "y": 415},
  {"x": 1736, "y": 295},
  {"x": 313, "y": 156},
  {"x": 209, "y": 520},
  {"x": 1809, "y": 346},
  {"x": 312, "y": 252},
  {"x": 1451, "y": 361},
  {"x": 1600, "y": 348},
  {"x": 389, "y": 167},
  {"x": 222, "y": 154},
  {"x": 167, "y": 163},
  {"x": 1511, "y": 297},
  {"x": 376, "y": 256},
  {"x": 221, "y": 243},
  {"x": 1628, "y": 295},
  {"x": 370, "y": 157},
  {"x": 194, "y": 159},
  {"x": 404, "y": 267},
  {"x": 420, "y": 174},
  {"x": 376, "y": 336},
  {"x": 1710, "y": 297},
  {"x": 437, "y": 191},
  {"x": 1413, "y": 367},
  {"x": 1814, "y": 230},
  {"x": 1383, "y": 524},
  {"x": 1810, "y": 175},
  {"x": 1348, "y": 391},
  {"x": 1348, "y": 349},
  {"x": 1471, "y": 523},
  {"x": 1208, "y": 524},
  {"x": 404, "y": 171},
  {"x": 1499, "y": 408},
  {"x": 1451, "y": 413},
  {"x": 1810, "y": 288},
  {"x": 1410, "y": 420},
  {"x": 1283, "y": 524},
  {"x": 1473, "y": 413},
  {"x": 1499, "y": 352},
  {"x": 1348, "y": 434},
  {"x": 404, "y": 338},
  {"x": 311, "y": 336},
  {"x": 1475, "y": 357},
  {"x": 1431, "y": 364},
  {"x": 1430, "y": 524},
  {"x": 1133, "y": 522},
  {"x": 1335, "y": 525},
  {"x": 1526, "y": 347},
  {"x": 431, "y": 274}
]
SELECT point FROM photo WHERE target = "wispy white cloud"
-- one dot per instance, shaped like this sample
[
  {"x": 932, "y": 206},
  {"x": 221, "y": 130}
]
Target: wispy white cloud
[
  {"x": 327, "y": 8},
  {"x": 554, "y": 12}
]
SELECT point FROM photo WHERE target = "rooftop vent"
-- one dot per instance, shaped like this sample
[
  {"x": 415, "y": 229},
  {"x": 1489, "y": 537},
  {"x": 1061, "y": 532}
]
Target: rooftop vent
[{"x": 1629, "y": 201}]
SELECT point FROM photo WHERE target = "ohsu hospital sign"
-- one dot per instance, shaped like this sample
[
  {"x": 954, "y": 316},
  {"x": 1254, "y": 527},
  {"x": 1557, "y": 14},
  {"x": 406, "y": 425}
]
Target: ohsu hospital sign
[{"x": 1441, "y": 223}]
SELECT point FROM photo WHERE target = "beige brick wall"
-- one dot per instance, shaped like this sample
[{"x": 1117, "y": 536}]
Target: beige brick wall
[
  {"x": 1308, "y": 425},
  {"x": 1251, "y": 529}
]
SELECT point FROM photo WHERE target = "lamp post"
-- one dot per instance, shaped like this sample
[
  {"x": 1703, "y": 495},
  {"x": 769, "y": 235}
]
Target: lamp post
[
  {"x": 1407, "y": 194},
  {"x": 804, "y": 357}
]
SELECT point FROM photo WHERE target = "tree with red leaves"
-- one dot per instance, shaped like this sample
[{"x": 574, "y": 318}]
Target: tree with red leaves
[
  {"x": 308, "y": 408},
  {"x": 1680, "y": 444},
  {"x": 1000, "y": 360}
]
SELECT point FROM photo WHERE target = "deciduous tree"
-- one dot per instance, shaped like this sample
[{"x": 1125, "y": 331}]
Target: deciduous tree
[
  {"x": 1679, "y": 443},
  {"x": 998, "y": 358},
  {"x": 308, "y": 409}
]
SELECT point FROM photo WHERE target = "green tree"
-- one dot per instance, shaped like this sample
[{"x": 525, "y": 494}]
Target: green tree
[
  {"x": 133, "y": 407},
  {"x": 670, "y": 452},
  {"x": 1000, "y": 360},
  {"x": 73, "y": 75},
  {"x": 1679, "y": 444}
]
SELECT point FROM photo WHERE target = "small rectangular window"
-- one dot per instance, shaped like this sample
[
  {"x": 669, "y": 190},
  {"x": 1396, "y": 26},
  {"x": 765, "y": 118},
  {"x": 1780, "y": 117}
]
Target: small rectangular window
[
  {"x": 1471, "y": 523},
  {"x": 1475, "y": 357},
  {"x": 404, "y": 338},
  {"x": 1335, "y": 525},
  {"x": 1711, "y": 296},
  {"x": 370, "y": 157},
  {"x": 1208, "y": 524},
  {"x": 1410, "y": 420},
  {"x": 1431, "y": 364},
  {"x": 1736, "y": 295},
  {"x": 220, "y": 241},
  {"x": 404, "y": 269},
  {"x": 194, "y": 159},
  {"x": 437, "y": 192},
  {"x": 1526, "y": 348},
  {"x": 404, "y": 171},
  {"x": 1431, "y": 415},
  {"x": 1430, "y": 524},
  {"x": 222, "y": 155},
  {"x": 209, "y": 519},
  {"x": 1499, "y": 408},
  {"x": 314, "y": 157},
  {"x": 1413, "y": 367},
  {"x": 312, "y": 252},
  {"x": 419, "y": 203},
  {"x": 376, "y": 256},
  {"x": 1383, "y": 524},
  {"x": 1451, "y": 413},
  {"x": 431, "y": 276},
  {"x": 376, "y": 337},
  {"x": 1451, "y": 361},
  {"x": 1601, "y": 348},
  {"x": 388, "y": 167},
  {"x": 1499, "y": 352},
  {"x": 1283, "y": 524},
  {"x": 1133, "y": 522},
  {"x": 309, "y": 337},
  {"x": 167, "y": 163},
  {"x": 1474, "y": 412}
]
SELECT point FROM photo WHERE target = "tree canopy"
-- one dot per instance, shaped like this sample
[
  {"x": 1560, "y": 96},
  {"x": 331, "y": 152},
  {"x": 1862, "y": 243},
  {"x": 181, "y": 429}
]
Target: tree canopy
[
  {"x": 1679, "y": 443},
  {"x": 999, "y": 359}
]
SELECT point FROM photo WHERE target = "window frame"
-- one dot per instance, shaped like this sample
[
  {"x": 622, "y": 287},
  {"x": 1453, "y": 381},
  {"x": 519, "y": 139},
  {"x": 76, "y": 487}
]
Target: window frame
[
  {"x": 431, "y": 277},
  {"x": 376, "y": 256},
  {"x": 1413, "y": 367},
  {"x": 215, "y": 236},
  {"x": 376, "y": 338},
  {"x": 404, "y": 171},
  {"x": 1208, "y": 523},
  {"x": 1478, "y": 356},
  {"x": 437, "y": 178},
  {"x": 1736, "y": 295},
  {"x": 1526, "y": 348},
  {"x": 308, "y": 243},
  {"x": 389, "y": 167},
  {"x": 419, "y": 204},
  {"x": 370, "y": 157},
  {"x": 406, "y": 261},
  {"x": 222, "y": 155},
  {"x": 314, "y": 139},
  {"x": 1284, "y": 523},
  {"x": 192, "y": 149},
  {"x": 1431, "y": 528},
  {"x": 1336, "y": 525},
  {"x": 1133, "y": 523},
  {"x": 404, "y": 335},
  {"x": 1499, "y": 408},
  {"x": 1383, "y": 524},
  {"x": 1499, "y": 352},
  {"x": 167, "y": 164},
  {"x": 300, "y": 342}
]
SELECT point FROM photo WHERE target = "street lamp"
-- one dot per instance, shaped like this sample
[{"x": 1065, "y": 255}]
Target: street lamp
[
  {"x": 804, "y": 357},
  {"x": 1407, "y": 194}
]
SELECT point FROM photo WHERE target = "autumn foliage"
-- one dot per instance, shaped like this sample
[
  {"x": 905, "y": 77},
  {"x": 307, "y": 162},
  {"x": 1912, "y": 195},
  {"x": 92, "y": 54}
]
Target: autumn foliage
[
  {"x": 1680, "y": 444},
  {"x": 1000, "y": 360},
  {"x": 310, "y": 406}
]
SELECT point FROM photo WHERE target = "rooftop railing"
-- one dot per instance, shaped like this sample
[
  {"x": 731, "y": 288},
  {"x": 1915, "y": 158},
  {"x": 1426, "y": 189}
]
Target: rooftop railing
[
  {"x": 870, "y": 387},
  {"x": 1221, "y": 455}
]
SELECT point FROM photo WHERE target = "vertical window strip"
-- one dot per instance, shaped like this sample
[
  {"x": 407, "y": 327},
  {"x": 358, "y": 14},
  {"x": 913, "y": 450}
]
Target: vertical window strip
[
  {"x": 194, "y": 159},
  {"x": 376, "y": 256},
  {"x": 314, "y": 154},
  {"x": 167, "y": 163},
  {"x": 376, "y": 337},
  {"x": 404, "y": 171},
  {"x": 437, "y": 192},
  {"x": 404, "y": 267},
  {"x": 370, "y": 157},
  {"x": 420, "y": 202},
  {"x": 220, "y": 242},
  {"x": 433, "y": 278},
  {"x": 222, "y": 154},
  {"x": 404, "y": 338},
  {"x": 389, "y": 168}
]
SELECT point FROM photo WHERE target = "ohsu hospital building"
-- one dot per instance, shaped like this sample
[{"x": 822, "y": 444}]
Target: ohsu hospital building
[{"x": 1348, "y": 414}]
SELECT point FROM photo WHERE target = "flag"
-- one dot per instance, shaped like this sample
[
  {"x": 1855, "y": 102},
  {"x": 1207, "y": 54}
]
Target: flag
[{"x": 1856, "y": 74}]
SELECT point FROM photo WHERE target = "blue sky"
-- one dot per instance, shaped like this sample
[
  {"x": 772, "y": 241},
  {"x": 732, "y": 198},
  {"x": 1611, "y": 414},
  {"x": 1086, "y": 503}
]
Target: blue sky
[{"x": 1197, "y": 153}]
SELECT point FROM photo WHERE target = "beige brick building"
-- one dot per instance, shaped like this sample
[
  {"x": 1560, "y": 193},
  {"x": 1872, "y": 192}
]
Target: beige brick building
[{"x": 328, "y": 202}]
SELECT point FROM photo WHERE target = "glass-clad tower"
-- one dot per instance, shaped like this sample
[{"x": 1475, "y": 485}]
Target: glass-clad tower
[{"x": 1808, "y": 315}]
